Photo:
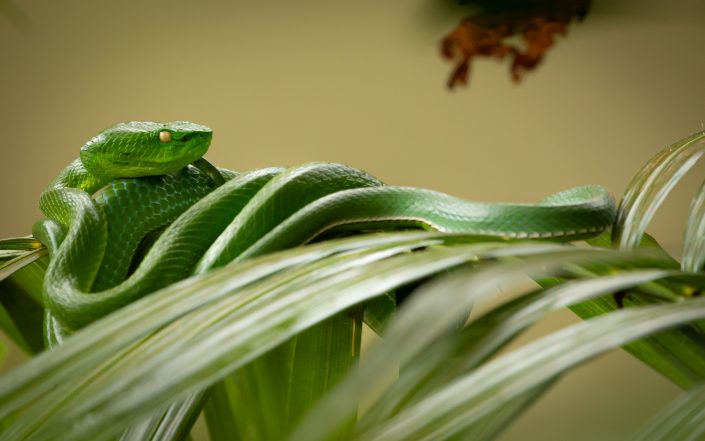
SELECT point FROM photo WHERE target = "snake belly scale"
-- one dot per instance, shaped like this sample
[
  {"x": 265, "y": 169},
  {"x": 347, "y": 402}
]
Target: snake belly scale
[{"x": 144, "y": 182}]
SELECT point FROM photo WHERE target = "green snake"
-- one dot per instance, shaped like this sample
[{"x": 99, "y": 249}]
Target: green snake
[{"x": 140, "y": 209}]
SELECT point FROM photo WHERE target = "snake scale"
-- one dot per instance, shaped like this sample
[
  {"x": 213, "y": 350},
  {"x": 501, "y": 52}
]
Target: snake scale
[{"x": 144, "y": 186}]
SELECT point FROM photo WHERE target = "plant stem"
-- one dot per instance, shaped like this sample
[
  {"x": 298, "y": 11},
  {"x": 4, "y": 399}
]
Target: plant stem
[{"x": 265, "y": 399}]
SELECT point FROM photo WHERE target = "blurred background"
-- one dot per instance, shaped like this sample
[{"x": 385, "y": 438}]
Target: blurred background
[{"x": 363, "y": 83}]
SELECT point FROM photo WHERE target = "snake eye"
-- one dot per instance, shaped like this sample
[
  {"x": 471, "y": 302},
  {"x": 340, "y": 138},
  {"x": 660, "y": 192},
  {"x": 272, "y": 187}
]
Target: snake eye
[{"x": 165, "y": 136}]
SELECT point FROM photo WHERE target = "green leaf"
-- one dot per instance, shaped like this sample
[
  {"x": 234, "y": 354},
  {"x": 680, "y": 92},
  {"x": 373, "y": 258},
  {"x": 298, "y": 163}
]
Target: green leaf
[
  {"x": 219, "y": 410},
  {"x": 493, "y": 331},
  {"x": 10, "y": 329},
  {"x": 694, "y": 240},
  {"x": 187, "y": 336},
  {"x": 190, "y": 335},
  {"x": 4, "y": 351},
  {"x": 172, "y": 424},
  {"x": 490, "y": 333},
  {"x": 323, "y": 354},
  {"x": 683, "y": 419},
  {"x": 494, "y": 423},
  {"x": 650, "y": 187},
  {"x": 379, "y": 311},
  {"x": 10, "y": 254},
  {"x": 150, "y": 314},
  {"x": 13, "y": 249},
  {"x": 29, "y": 279},
  {"x": 11, "y": 266},
  {"x": 27, "y": 243},
  {"x": 21, "y": 309},
  {"x": 677, "y": 354},
  {"x": 268, "y": 395},
  {"x": 498, "y": 382},
  {"x": 418, "y": 340}
]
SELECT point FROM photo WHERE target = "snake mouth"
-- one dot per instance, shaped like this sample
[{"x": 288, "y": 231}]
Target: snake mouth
[{"x": 126, "y": 167}]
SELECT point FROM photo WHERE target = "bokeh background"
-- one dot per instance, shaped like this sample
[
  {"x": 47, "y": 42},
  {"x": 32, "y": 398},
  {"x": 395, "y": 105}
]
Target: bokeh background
[{"x": 283, "y": 82}]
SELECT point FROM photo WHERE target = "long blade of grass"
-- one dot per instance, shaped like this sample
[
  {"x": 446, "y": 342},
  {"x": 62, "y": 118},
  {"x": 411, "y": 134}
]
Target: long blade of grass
[
  {"x": 3, "y": 353},
  {"x": 50, "y": 370},
  {"x": 269, "y": 394},
  {"x": 237, "y": 335},
  {"x": 219, "y": 409},
  {"x": 694, "y": 239},
  {"x": 29, "y": 280},
  {"x": 203, "y": 331},
  {"x": 11, "y": 266},
  {"x": 683, "y": 419},
  {"x": 441, "y": 363},
  {"x": 194, "y": 310},
  {"x": 650, "y": 187},
  {"x": 496, "y": 383},
  {"x": 144, "y": 430},
  {"x": 21, "y": 305},
  {"x": 26, "y": 243},
  {"x": 378, "y": 312},
  {"x": 13, "y": 247},
  {"x": 487, "y": 335},
  {"x": 678, "y": 354},
  {"x": 422, "y": 329},
  {"x": 494, "y": 423},
  {"x": 172, "y": 424},
  {"x": 9, "y": 327},
  {"x": 263, "y": 401}
]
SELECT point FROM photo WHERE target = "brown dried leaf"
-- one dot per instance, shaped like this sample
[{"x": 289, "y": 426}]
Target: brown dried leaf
[{"x": 485, "y": 35}]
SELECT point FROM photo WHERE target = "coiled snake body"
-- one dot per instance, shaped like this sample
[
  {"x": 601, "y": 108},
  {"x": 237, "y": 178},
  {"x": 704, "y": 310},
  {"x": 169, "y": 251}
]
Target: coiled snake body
[{"x": 133, "y": 184}]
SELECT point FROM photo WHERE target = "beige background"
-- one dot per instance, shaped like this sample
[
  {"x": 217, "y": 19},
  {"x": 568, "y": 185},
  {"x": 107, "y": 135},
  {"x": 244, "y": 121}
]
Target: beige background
[{"x": 360, "y": 82}]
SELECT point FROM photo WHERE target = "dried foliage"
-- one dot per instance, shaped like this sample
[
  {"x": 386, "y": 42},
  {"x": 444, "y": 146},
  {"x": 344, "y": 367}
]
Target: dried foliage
[{"x": 487, "y": 33}]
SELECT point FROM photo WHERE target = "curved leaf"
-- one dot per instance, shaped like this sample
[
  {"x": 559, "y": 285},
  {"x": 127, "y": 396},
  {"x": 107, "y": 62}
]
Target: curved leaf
[
  {"x": 488, "y": 334},
  {"x": 26, "y": 243},
  {"x": 694, "y": 239},
  {"x": 417, "y": 341},
  {"x": 465, "y": 401},
  {"x": 683, "y": 419},
  {"x": 122, "y": 367},
  {"x": 172, "y": 424},
  {"x": 488, "y": 427},
  {"x": 19, "y": 262},
  {"x": 650, "y": 187},
  {"x": 50, "y": 370}
]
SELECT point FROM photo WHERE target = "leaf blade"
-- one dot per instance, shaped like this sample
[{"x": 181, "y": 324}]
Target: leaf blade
[
  {"x": 487, "y": 388},
  {"x": 694, "y": 238},
  {"x": 650, "y": 187}
]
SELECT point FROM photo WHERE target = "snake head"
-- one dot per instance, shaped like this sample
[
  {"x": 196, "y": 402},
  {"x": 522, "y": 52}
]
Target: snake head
[{"x": 137, "y": 148}]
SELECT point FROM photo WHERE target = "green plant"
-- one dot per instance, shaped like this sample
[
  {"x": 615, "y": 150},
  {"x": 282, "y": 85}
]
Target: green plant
[{"x": 230, "y": 341}]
